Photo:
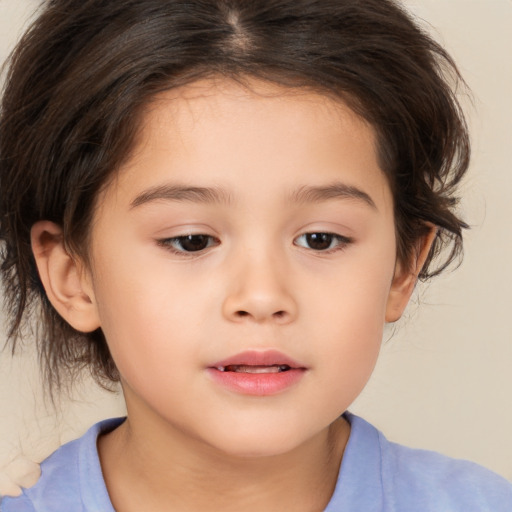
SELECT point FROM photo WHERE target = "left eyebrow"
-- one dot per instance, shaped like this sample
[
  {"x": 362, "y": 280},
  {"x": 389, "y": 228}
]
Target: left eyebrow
[
  {"x": 309, "y": 194},
  {"x": 181, "y": 193}
]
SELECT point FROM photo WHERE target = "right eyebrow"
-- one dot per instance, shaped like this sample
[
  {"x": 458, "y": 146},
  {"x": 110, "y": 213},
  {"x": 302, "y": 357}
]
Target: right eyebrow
[{"x": 170, "y": 192}]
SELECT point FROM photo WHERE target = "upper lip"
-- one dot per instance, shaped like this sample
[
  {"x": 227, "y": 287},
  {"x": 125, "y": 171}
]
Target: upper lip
[{"x": 258, "y": 358}]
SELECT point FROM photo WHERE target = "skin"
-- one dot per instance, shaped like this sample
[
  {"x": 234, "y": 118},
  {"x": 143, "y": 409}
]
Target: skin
[{"x": 189, "y": 443}]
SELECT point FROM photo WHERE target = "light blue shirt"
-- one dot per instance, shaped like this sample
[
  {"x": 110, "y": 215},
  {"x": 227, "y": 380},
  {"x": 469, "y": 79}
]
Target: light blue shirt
[{"x": 375, "y": 476}]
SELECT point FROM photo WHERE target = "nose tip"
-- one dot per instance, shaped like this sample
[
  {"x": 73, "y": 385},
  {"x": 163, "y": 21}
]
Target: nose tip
[{"x": 260, "y": 298}]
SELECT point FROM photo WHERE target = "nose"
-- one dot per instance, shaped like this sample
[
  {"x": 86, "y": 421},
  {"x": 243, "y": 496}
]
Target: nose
[{"x": 260, "y": 291}]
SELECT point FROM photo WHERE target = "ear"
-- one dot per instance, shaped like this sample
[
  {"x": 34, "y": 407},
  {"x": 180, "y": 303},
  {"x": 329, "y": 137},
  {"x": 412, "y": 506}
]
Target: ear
[
  {"x": 65, "y": 280},
  {"x": 406, "y": 276}
]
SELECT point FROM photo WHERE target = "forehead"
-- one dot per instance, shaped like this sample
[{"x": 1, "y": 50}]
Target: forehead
[
  {"x": 221, "y": 133},
  {"x": 242, "y": 109}
]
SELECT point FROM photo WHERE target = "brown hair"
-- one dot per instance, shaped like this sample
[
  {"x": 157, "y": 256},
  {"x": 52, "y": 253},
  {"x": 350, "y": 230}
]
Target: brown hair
[{"x": 80, "y": 76}]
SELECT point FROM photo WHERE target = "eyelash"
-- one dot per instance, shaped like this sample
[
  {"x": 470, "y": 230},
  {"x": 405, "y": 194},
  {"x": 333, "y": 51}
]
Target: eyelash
[
  {"x": 170, "y": 244},
  {"x": 341, "y": 242}
]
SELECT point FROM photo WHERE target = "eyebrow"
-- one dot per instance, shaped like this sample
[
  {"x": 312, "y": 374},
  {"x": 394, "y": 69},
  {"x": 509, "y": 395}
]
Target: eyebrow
[
  {"x": 182, "y": 193},
  {"x": 337, "y": 190},
  {"x": 305, "y": 194}
]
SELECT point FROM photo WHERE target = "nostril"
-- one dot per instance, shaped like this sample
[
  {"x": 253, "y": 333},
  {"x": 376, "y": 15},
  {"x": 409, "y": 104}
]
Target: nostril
[{"x": 277, "y": 314}]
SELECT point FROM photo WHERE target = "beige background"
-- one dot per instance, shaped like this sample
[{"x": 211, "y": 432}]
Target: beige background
[{"x": 444, "y": 380}]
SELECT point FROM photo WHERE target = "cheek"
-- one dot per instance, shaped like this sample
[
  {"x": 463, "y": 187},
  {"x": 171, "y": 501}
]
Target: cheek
[
  {"x": 143, "y": 313},
  {"x": 350, "y": 316},
  {"x": 353, "y": 296}
]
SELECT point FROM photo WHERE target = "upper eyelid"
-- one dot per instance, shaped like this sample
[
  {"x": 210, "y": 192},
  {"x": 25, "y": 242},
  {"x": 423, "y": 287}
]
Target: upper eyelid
[
  {"x": 167, "y": 241},
  {"x": 178, "y": 237},
  {"x": 324, "y": 232},
  {"x": 309, "y": 232},
  {"x": 167, "y": 244},
  {"x": 342, "y": 238}
]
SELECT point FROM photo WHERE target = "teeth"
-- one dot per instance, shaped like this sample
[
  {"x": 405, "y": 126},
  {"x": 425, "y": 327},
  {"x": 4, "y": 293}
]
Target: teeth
[{"x": 254, "y": 369}]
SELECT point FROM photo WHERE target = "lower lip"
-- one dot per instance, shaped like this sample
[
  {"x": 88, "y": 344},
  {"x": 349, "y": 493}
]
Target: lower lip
[{"x": 257, "y": 384}]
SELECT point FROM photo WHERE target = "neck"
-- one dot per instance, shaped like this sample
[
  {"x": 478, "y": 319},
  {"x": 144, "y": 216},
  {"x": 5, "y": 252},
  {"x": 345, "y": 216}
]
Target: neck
[{"x": 163, "y": 471}]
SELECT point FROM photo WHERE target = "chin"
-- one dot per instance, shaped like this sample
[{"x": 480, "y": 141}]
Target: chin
[{"x": 265, "y": 441}]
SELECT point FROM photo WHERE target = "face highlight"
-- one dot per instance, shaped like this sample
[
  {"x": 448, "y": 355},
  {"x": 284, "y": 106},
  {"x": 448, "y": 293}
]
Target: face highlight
[{"x": 251, "y": 233}]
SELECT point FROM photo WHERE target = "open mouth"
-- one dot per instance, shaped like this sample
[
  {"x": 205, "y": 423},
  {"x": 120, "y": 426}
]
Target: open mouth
[
  {"x": 243, "y": 368},
  {"x": 257, "y": 373}
]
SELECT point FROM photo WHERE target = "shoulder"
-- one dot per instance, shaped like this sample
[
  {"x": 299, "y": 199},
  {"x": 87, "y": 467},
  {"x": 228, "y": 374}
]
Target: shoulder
[
  {"x": 443, "y": 482},
  {"x": 420, "y": 480},
  {"x": 66, "y": 476}
]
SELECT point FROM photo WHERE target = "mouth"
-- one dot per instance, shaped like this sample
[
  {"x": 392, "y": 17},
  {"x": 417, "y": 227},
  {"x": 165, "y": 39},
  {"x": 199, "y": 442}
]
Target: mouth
[
  {"x": 244, "y": 368},
  {"x": 257, "y": 373},
  {"x": 254, "y": 361}
]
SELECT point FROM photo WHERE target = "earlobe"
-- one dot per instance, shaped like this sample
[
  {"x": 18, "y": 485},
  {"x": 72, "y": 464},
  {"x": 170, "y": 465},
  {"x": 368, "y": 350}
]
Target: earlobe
[
  {"x": 65, "y": 284},
  {"x": 405, "y": 278}
]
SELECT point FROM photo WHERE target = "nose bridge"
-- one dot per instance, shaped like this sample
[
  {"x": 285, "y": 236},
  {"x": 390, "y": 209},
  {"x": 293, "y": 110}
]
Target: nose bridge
[{"x": 260, "y": 288}]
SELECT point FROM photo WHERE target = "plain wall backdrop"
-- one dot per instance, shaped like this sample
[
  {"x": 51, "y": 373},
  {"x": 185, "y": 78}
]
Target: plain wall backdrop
[{"x": 444, "y": 379}]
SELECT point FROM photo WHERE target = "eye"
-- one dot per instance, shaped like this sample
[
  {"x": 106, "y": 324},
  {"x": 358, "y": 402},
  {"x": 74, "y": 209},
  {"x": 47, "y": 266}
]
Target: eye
[
  {"x": 325, "y": 242},
  {"x": 189, "y": 243}
]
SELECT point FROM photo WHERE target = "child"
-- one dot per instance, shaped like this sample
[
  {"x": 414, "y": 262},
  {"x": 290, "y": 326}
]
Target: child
[{"x": 220, "y": 204}]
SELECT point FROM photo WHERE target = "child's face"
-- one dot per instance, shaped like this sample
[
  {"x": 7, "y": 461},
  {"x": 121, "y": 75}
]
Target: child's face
[{"x": 247, "y": 176}]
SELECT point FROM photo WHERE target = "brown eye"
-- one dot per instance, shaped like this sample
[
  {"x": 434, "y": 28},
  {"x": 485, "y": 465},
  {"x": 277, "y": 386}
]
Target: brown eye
[
  {"x": 192, "y": 243},
  {"x": 189, "y": 243},
  {"x": 319, "y": 241},
  {"x": 322, "y": 241}
]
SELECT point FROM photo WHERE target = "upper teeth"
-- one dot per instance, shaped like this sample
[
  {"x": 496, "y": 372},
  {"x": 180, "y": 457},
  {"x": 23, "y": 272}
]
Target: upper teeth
[{"x": 241, "y": 368}]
